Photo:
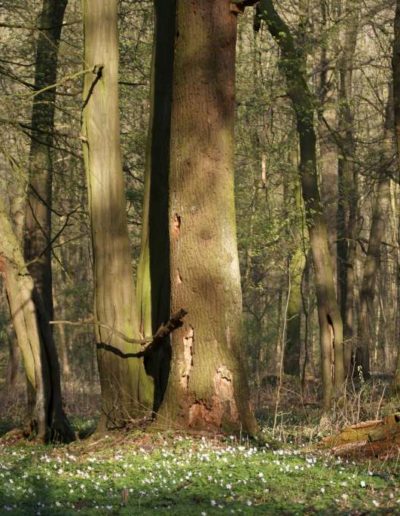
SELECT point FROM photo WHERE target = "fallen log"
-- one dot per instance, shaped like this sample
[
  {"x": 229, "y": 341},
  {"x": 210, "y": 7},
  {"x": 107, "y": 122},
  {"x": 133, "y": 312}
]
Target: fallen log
[{"x": 378, "y": 438}]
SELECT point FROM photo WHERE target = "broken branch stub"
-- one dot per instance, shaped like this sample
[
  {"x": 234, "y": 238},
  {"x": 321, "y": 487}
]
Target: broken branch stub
[{"x": 165, "y": 329}]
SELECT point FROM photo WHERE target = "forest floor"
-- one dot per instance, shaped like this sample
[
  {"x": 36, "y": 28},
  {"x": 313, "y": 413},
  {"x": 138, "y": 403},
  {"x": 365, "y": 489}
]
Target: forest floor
[
  {"x": 133, "y": 472},
  {"x": 150, "y": 473}
]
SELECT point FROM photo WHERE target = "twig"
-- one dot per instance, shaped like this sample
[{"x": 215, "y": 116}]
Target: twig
[
  {"x": 92, "y": 322},
  {"x": 61, "y": 81}
]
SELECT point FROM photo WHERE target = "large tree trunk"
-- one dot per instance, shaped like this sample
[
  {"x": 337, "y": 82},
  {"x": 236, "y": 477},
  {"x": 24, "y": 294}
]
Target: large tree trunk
[
  {"x": 328, "y": 151},
  {"x": 126, "y": 388},
  {"x": 330, "y": 322},
  {"x": 347, "y": 180},
  {"x": 38, "y": 213},
  {"x": 292, "y": 350},
  {"x": 396, "y": 78},
  {"x": 153, "y": 283},
  {"x": 207, "y": 388},
  {"x": 17, "y": 216},
  {"x": 37, "y": 234},
  {"x": 34, "y": 337},
  {"x": 372, "y": 261},
  {"x": 295, "y": 309},
  {"x": 8, "y": 394},
  {"x": 396, "y": 102}
]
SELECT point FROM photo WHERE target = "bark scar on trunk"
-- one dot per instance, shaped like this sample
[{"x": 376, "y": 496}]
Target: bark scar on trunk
[
  {"x": 187, "y": 365},
  {"x": 224, "y": 394},
  {"x": 176, "y": 226},
  {"x": 331, "y": 331},
  {"x": 332, "y": 342},
  {"x": 331, "y": 328},
  {"x": 223, "y": 408},
  {"x": 223, "y": 383}
]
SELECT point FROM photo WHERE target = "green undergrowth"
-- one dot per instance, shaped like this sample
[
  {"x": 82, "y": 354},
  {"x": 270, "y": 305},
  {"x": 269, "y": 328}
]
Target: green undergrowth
[{"x": 141, "y": 473}]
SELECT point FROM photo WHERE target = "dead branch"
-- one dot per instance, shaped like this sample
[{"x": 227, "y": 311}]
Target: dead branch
[
  {"x": 379, "y": 438},
  {"x": 163, "y": 331}
]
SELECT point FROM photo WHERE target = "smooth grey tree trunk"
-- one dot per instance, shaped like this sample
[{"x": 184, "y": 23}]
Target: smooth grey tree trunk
[{"x": 127, "y": 391}]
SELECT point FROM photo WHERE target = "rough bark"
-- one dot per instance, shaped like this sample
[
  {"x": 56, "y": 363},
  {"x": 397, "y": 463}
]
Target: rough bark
[
  {"x": 328, "y": 151},
  {"x": 291, "y": 363},
  {"x": 396, "y": 111},
  {"x": 395, "y": 386},
  {"x": 126, "y": 388},
  {"x": 153, "y": 285},
  {"x": 29, "y": 318},
  {"x": 38, "y": 213},
  {"x": 296, "y": 264},
  {"x": 372, "y": 260},
  {"x": 207, "y": 388},
  {"x": 10, "y": 389},
  {"x": 396, "y": 77},
  {"x": 329, "y": 187},
  {"x": 347, "y": 181},
  {"x": 330, "y": 322}
]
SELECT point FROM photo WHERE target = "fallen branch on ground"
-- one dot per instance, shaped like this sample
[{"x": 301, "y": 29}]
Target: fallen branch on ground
[{"x": 379, "y": 438}]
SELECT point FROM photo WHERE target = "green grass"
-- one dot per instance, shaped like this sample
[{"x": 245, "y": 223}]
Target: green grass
[{"x": 149, "y": 474}]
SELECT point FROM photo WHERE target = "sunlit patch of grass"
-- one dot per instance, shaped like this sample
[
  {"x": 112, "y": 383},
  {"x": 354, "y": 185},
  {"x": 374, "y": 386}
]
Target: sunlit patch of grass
[{"x": 143, "y": 474}]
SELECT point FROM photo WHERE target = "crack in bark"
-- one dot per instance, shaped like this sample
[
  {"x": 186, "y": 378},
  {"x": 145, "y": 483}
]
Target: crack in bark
[
  {"x": 176, "y": 226},
  {"x": 188, "y": 341}
]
